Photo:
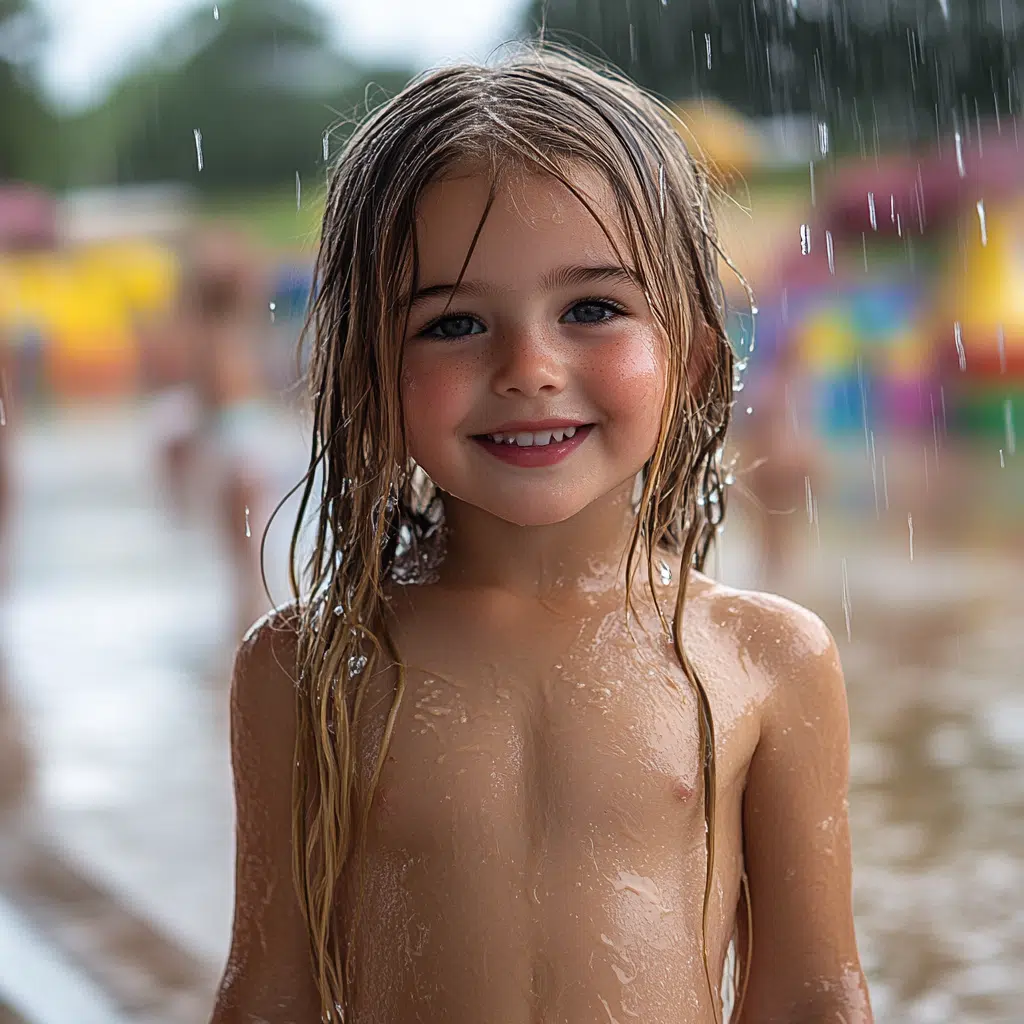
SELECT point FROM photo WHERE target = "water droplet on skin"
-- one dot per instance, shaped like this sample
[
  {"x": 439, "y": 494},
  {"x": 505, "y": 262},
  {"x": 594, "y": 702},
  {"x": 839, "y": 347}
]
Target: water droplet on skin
[
  {"x": 248, "y": 531},
  {"x": 198, "y": 135},
  {"x": 665, "y": 572},
  {"x": 981, "y": 221},
  {"x": 356, "y": 664}
]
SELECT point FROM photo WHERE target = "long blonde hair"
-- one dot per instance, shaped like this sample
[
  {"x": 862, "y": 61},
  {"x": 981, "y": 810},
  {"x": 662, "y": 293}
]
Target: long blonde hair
[{"x": 377, "y": 516}]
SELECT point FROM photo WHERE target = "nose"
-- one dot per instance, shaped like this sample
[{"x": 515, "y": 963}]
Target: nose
[{"x": 528, "y": 364}]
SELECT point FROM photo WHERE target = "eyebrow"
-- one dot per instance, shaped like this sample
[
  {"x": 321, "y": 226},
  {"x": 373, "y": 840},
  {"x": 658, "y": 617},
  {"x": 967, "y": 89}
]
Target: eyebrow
[{"x": 560, "y": 277}]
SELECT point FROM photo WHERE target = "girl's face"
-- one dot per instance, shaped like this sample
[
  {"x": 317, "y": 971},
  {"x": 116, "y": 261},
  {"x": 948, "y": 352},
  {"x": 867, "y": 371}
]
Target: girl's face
[{"x": 538, "y": 387}]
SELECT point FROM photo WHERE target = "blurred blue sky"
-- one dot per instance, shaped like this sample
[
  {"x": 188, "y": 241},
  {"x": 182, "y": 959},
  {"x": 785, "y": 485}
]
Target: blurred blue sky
[{"x": 93, "y": 40}]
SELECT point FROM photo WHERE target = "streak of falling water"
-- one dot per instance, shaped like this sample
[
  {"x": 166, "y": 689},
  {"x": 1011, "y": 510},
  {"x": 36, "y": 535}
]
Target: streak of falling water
[
  {"x": 707, "y": 46},
  {"x": 1011, "y": 433},
  {"x": 874, "y": 475},
  {"x": 198, "y": 135},
  {"x": 823, "y": 138},
  {"x": 910, "y": 527},
  {"x": 248, "y": 530},
  {"x": 813, "y": 198},
  {"x": 847, "y": 609},
  {"x": 981, "y": 221},
  {"x": 216, "y": 13},
  {"x": 958, "y": 142},
  {"x": 326, "y": 142},
  {"x": 298, "y": 191},
  {"x": 273, "y": 308},
  {"x": 831, "y": 253},
  {"x": 958, "y": 339},
  {"x": 1001, "y": 345},
  {"x": 885, "y": 485},
  {"x": 871, "y": 211},
  {"x": 3, "y": 414},
  {"x": 805, "y": 239},
  {"x": 809, "y": 495}
]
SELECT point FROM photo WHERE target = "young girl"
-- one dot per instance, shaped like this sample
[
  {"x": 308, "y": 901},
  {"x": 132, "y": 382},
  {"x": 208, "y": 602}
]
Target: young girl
[{"x": 486, "y": 767}]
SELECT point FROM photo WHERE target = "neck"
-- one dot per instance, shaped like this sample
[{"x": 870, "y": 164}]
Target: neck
[{"x": 586, "y": 553}]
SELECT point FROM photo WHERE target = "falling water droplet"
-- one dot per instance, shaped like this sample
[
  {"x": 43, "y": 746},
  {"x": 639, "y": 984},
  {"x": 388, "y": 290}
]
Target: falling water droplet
[
  {"x": 805, "y": 239},
  {"x": 981, "y": 221},
  {"x": 847, "y": 610},
  {"x": 809, "y": 495},
  {"x": 958, "y": 339},
  {"x": 750, "y": 409},
  {"x": 823, "y": 138},
  {"x": 298, "y": 191},
  {"x": 959, "y": 144},
  {"x": 3, "y": 414},
  {"x": 248, "y": 530},
  {"x": 831, "y": 253},
  {"x": 273, "y": 307},
  {"x": 199, "y": 147},
  {"x": 813, "y": 199},
  {"x": 871, "y": 211},
  {"x": 1001, "y": 345},
  {"x": 1002, "y": 459},
  {"x": 910, "y": 527},
  {"x": 216, "y": 13},
  {"x": 327, "y": 143},
  {"x": 1011, "y": 433},
  {"x": 707, "y": 46}
]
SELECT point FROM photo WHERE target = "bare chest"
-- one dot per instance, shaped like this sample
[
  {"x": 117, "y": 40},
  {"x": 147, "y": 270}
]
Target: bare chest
[{"x": 541, "y": 738}]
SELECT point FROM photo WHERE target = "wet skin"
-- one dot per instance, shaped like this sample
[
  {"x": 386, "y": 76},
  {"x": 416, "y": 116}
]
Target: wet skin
[{"x": 536, "y": 849}]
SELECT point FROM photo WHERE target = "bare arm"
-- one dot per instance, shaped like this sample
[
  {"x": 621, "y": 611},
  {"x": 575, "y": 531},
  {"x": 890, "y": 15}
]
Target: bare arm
[
  {"x": 805, "y": 966},
  {"x": 268, "y": 978}
]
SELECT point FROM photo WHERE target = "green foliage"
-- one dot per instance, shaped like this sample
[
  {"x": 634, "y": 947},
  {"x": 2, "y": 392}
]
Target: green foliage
[
  {"x": 260, "y": 85},
  {"x": 895, "y": 67},
  {"x": 27, "y": 137}
]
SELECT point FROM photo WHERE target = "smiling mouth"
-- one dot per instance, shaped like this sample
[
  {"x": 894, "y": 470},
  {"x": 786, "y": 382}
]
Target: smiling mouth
[
  {"x": 533, "y": 438},
  {"x": 533, "y": 449}
]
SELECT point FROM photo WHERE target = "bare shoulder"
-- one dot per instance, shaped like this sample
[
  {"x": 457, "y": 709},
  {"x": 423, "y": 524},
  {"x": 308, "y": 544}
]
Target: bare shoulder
[
  {"x": 268, "y": 975},
  {"x": 788, "y": 645}
]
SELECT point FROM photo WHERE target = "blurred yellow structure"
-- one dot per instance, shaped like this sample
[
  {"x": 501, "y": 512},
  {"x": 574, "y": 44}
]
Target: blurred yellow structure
[
  {"x": 83, "y": 307},
  {"x": 721, "y": 137},
  {"x": 984, "y": 288}
]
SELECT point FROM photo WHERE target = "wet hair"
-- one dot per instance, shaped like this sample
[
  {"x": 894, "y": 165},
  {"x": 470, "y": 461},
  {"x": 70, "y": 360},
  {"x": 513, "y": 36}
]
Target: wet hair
[{"x": 377, "y": 518}]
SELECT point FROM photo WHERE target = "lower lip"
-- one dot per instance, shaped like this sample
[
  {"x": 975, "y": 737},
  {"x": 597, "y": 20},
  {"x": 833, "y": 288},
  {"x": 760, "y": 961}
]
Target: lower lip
[{"x": 535, "y": 455}]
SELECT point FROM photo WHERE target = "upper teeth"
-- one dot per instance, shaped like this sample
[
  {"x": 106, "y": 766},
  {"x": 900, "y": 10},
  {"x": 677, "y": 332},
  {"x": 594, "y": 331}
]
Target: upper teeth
[{"x": 527, "y": 439}]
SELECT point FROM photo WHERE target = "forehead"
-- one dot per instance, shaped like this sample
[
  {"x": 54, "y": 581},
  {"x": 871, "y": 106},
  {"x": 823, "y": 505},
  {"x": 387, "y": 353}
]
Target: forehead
[{"x": 535, "y": 222}]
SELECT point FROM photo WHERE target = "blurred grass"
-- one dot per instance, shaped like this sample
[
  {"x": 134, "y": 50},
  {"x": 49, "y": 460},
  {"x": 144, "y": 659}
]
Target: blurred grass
[{"x": 273, "y": 218}]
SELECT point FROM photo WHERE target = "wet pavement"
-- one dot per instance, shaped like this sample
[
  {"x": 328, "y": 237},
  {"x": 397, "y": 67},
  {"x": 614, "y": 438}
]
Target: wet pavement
[{"x": 116, "y": 856}]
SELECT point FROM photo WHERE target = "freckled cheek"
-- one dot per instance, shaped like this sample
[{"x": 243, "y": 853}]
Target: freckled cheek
[
  {"x": 437, "y": 396},
  {"x": 629, "y": 384}
]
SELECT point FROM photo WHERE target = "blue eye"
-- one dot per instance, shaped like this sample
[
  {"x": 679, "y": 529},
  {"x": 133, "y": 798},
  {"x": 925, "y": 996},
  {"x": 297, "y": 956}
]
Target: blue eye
[
  {"x": 593, "y": 311},
  {"x": 453, "y": 327}
]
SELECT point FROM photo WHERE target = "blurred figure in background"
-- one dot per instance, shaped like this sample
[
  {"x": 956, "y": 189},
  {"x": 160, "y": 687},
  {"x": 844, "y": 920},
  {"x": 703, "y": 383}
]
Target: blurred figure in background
[
  {"x": 784, "y": 463},
  {"x": 207, "y": 368}
]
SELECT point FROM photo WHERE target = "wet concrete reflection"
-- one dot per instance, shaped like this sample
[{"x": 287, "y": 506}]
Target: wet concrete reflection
[{"x": 113, "y": 719}]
